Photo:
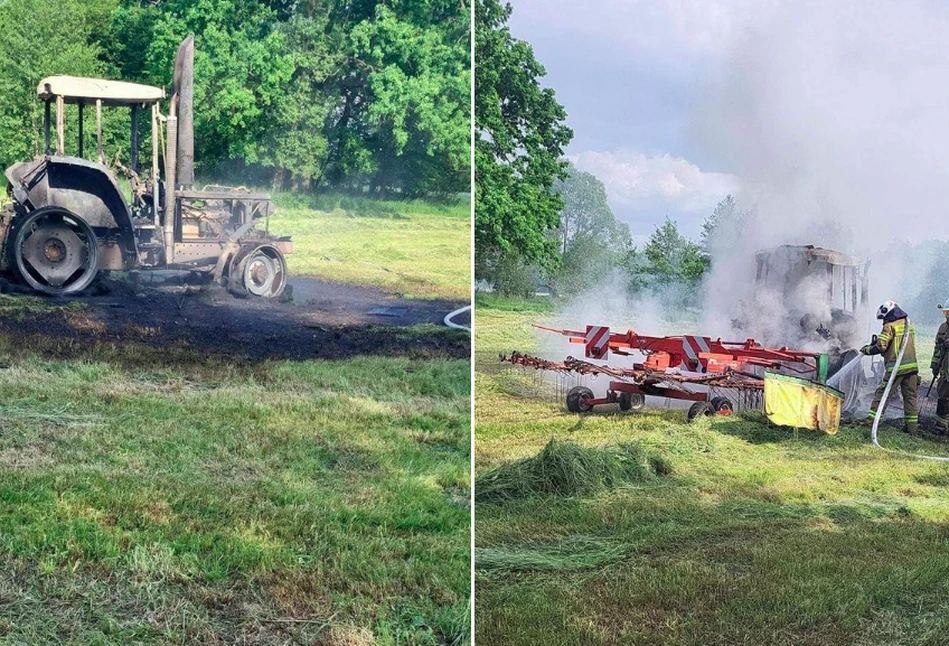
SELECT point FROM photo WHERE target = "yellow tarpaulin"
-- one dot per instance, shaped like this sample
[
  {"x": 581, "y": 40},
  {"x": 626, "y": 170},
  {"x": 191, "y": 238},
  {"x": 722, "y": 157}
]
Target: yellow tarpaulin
[{"x": 791, "y": 401}]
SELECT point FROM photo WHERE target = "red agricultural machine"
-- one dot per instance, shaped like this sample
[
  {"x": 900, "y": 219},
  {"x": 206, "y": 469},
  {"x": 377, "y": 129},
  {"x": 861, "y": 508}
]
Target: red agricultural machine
[{"x": 711, "y": 373}]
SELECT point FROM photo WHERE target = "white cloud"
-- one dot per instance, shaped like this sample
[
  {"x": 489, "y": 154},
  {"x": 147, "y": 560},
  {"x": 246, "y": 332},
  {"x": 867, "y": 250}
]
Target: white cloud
[{"x": 644, "y": 189}]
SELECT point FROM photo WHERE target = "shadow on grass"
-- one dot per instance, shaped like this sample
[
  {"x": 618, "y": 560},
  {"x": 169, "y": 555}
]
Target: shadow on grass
[{"x": 754, "y": 428}]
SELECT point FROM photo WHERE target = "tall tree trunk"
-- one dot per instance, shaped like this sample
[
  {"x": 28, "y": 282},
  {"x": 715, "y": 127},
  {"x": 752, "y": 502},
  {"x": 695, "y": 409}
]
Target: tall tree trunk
[{"x": 279, "y": 179}]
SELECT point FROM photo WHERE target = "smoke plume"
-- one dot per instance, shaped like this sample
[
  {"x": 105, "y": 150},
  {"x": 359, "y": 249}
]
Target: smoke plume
[{"x": 835, "y": 116}]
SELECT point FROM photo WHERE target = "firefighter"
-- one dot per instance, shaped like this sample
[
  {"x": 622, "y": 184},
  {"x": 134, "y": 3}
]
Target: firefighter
[
  {"x": 940, "y": 367},
  {"x": 888, "y": 343}
]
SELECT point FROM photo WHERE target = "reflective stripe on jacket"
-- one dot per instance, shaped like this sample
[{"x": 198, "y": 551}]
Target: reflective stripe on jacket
[{"x": 889, "y": 342}]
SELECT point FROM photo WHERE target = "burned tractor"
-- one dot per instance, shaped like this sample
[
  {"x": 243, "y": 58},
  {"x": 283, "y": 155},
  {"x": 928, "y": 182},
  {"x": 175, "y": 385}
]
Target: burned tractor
[
  {"x": 69, "y": 218},
  {"x": 823, "y": 295}
]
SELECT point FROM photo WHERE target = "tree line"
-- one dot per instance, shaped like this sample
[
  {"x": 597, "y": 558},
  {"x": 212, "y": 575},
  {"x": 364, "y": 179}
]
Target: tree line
[
  {"x": 593, "y": 248},
  {"x": 540, "y": 221},
  {"x": 307, "y": 95},
  {"x": 537, "y": 218}
]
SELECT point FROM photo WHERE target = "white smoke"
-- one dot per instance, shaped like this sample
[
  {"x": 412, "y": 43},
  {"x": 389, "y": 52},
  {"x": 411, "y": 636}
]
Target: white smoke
[{"x": 835, "y": 117}]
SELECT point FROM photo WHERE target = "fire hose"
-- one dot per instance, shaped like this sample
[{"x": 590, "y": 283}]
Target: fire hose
[
  {"x": 886, "y": 395},
  {"x": 448, "y": 319}
]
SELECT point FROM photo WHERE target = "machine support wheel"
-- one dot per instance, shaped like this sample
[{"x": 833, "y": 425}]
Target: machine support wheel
[
  {"x": 55, "y": 251},
  {"x": 722, "y": 405},
  {"x": 632, "y": 401},
  {"x": 700, "y": 409},
  {"x": 577, "y": 399}
]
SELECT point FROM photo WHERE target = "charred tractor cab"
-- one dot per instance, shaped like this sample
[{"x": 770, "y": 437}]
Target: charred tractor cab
[
  {"x": 825, "y": 298},
  {"x": 69, "y": 218},
  {"x": 825, "y": 291}
]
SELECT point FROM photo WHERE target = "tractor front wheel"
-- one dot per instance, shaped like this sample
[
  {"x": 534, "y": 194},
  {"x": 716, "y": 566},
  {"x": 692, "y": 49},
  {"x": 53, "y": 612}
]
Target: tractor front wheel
[{"x": 261, "y": 271}]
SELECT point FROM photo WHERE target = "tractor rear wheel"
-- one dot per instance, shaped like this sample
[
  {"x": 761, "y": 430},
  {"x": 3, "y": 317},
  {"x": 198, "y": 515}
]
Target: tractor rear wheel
[
  {"x": 55, "y": 251},
  {"x": 577, "y": 399}
]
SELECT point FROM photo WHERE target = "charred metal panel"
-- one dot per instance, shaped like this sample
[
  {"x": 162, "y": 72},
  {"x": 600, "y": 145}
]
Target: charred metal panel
[
  {"x": 83, "y": 187},
  {"x": 198, "y": 253},
  {"x": 110, "y": 257}
]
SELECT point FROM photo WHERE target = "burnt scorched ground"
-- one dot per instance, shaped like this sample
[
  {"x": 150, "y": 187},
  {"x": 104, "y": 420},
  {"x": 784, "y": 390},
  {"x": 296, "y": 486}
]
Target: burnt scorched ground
[{"x": 324, "y": 320}]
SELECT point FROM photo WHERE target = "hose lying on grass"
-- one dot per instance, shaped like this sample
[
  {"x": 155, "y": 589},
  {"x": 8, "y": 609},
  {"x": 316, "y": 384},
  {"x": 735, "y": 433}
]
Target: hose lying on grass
[
  {"x": 564, "y": 468},
  {"x": 448, "y": 319}
]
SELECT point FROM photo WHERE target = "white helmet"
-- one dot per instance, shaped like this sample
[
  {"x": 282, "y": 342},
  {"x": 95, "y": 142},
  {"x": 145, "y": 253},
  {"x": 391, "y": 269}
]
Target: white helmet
[
  {"x": 944, "y": 306},
  {"x": 886, "y": 308}
]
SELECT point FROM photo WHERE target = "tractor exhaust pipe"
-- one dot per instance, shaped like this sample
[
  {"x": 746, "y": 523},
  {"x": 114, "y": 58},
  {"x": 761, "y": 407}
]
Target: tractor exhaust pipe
[
  {"x": 171, "y": 152},
  {"x": 184, "y": 90}
]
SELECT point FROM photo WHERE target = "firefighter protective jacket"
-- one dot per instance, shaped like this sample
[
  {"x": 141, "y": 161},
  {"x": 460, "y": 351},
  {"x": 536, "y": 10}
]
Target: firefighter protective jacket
[
  {"x": 939, "y": 365},
  {"x": 889, "y": 342}
]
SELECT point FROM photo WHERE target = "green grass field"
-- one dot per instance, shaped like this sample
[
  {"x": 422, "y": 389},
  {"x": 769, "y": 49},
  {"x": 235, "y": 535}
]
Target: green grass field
[
  {"x": 169, "y": 498},
  {"x": 758, "y": 535},
  {"x": 167, "y": 495},
  {"x": 414, "y": 249}
]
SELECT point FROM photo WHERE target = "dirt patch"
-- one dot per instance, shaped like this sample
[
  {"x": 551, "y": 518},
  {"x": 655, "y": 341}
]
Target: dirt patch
[{"x": 324, "y": 320}]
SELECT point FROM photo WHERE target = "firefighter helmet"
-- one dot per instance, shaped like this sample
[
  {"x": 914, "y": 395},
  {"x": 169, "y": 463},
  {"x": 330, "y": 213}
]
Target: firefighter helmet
[{"x": 886, "y": 308}]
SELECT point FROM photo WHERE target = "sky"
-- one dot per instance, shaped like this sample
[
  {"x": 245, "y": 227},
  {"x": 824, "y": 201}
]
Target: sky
[
  {"x": 630, "y": 74},
  {"x": 824, "y": 115}
]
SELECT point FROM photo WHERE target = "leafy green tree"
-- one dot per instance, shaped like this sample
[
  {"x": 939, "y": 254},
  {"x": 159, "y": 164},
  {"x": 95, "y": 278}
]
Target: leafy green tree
[
  {"x": 130, "y": 39},
  {"x": 932, "y": 282},
  {"x": 296, "y": 145},
  {"x": 725, "y": 213},
  {"x": 724, "y": 228},
  {"x": 593, "y": 243},
  {"x": 308, "y": 94},
  {"x": 511, "y": 276},
  {"x": 241, "y": 72},
  {"x": 408, "y": 80},
  {"x": 672, "y": 258},
  {"x": 519, "y": 140},
  {"x": 23, "y": 25}
]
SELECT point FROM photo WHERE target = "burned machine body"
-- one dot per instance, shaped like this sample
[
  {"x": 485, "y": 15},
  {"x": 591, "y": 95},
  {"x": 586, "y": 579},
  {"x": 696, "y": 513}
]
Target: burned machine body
[
  {"x": 69, "y": 218},
  {"x": 824, "y": 293},
  {"x": 824, "y": 297}
]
